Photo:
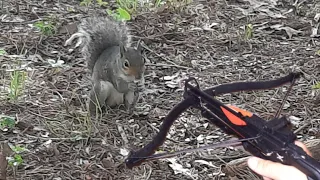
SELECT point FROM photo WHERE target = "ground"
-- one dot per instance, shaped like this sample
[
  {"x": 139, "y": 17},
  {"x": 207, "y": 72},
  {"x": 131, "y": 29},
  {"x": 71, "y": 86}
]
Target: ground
[{"x": 206, "y": 40}]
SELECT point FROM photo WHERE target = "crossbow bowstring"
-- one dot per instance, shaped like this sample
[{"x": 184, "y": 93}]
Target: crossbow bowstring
[
  {"x": 285, "y": 98},
  {"x": 211, "y": 146}
]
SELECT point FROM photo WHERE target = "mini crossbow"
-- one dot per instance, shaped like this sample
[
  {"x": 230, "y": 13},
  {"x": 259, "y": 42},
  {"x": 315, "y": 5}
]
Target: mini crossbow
[{"x": 272, "y": 140}]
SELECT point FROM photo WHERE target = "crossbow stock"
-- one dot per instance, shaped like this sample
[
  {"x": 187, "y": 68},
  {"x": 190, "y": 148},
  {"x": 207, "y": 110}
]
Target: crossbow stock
[{"x": 272, "y": 140}]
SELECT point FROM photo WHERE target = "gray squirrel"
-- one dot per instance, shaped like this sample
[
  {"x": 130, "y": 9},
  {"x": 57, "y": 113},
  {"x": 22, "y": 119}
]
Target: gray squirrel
[{"x": 117, "y": 70}]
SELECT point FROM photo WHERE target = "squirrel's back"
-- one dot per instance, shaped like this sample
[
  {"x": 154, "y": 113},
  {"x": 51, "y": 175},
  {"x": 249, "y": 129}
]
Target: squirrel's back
[{"x": 100, "y": 33}]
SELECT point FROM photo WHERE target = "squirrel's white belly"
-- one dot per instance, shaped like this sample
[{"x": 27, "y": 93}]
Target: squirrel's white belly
[{"x": 114, "y": 98}]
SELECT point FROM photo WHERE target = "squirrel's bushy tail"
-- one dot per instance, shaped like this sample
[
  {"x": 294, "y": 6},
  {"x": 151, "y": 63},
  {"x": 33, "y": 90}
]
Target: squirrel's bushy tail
[{"x": 99, "y": 33}]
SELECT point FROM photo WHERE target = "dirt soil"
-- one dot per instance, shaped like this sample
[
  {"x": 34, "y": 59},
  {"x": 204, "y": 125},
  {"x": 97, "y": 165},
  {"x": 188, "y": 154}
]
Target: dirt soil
[{"x": 205, "y": 40}]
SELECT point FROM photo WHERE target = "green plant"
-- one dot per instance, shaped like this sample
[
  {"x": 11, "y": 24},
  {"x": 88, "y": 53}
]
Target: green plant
[
  {"x": 102, "y": 3},
  {"x": 46, "y": 27},
  {"x": 16, "y": 159},
  {"x": 85, "y": 3},
  {"x": 316, "y": 86},
  {"x": 70, "y": 9},
  {"x": 18, "y": 149},
  {"x": 125, "y": 8},
  {"x": 128, "y": 5},
  {"x": 18, "y": 78},
  {"x": 119, "y": 14},
  {"x": 2, "y": 52},
  {"x": 7, "y": 123},
  {"x": 157, "y": 3},
  {"x": 248, "y": 31}
]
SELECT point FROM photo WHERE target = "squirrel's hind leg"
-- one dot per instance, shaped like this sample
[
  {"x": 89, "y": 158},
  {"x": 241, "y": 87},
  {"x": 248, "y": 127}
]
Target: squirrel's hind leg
[
  {"x": 98, "y": 95},
  {"x": 115, "y": 98}
]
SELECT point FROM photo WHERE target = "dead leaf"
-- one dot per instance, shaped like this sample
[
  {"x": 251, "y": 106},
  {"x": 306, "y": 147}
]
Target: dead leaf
[
  {"x": 317, "y": 17},
  {"x": 123, "y": 134},
  {"x": 295, "y": 120},
  {"x": 179, "y": 169},
  {"x": 107, "y": 163},
  {"x": 206, "y": 163},
  {"x": 124, "y": 152},
  {"x": 290, "y": 31},
  {"x": 24, "y": 126}
]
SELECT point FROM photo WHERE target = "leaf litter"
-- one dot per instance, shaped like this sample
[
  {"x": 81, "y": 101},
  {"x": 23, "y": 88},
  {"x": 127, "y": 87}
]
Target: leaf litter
[{"x": 205, "y": 40}]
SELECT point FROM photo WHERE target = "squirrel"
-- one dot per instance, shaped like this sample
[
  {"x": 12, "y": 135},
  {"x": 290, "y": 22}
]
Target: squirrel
[{"x": 117, "y": 70}]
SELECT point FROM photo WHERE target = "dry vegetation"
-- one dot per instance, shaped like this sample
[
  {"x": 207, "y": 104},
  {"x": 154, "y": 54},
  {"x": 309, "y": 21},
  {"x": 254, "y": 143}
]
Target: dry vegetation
[{"x": 210, "y": 40}]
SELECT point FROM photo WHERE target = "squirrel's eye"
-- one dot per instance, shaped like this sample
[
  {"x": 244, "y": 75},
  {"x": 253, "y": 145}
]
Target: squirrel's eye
[{"x": 126, "y": 64}]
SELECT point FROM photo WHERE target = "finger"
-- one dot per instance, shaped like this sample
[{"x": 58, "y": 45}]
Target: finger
[
  {"x": 274, "y": 170},
  {"x": 266, "y": 178},
  {"x": 303, "y": 146}
]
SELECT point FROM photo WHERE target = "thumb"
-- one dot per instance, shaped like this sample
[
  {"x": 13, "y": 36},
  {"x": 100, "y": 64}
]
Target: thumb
[{"x": 275, "y": 170}]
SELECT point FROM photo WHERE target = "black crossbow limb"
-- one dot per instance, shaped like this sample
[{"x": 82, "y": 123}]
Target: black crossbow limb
[{"x": 272, "y": 140}]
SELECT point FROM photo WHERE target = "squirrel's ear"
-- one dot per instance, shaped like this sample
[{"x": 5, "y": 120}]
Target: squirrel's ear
[{"x": 123, "y": 49}]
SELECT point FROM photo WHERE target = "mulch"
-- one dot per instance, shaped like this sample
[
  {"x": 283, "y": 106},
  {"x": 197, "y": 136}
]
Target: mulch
[{"x": 205, "y": 40}]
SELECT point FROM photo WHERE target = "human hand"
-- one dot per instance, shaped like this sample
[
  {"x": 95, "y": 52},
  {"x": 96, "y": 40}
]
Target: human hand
[{"x": 276, "y": 171}]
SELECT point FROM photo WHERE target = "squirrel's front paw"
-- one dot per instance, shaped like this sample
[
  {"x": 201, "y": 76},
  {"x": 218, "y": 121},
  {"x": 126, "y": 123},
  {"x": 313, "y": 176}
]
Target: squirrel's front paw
[{"x": 132, "y": 86}]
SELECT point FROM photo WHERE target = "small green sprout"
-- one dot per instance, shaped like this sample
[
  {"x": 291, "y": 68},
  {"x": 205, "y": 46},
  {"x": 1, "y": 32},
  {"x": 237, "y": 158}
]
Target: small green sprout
[
  {"x": 2, "y": 52},
  {"x": 129, "y": 5},
  {"x": 316, "y": 86},
  {"x": 85, "y": 3},
  {"x": 18, "y": 149},
  {"x": 7, "y": 123},
  {"x": 248, "y": 31},
  {"x": 70, "y": 9},
  {"x": 157, "y": 3},
  {"x": 16, "y": 160},
  {"x": 102, "y": 3},
  {"x": 17, "y": 83},
  {"x": 46, "y": 27},
  {"x": 120, "y": 14}
]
